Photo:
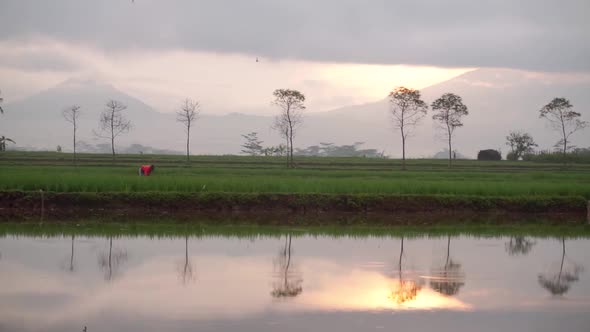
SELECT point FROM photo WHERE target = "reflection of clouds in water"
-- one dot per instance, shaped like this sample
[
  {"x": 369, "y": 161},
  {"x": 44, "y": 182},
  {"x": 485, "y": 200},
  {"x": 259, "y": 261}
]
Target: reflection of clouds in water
[
  {"x": 237, "y": 285},
  {"x": 230, "y": 287},
  {"x": 358, "y": 290}
]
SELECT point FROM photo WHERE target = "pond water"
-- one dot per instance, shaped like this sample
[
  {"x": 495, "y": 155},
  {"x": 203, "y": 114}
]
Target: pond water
[{"x": 293, "y": 283}]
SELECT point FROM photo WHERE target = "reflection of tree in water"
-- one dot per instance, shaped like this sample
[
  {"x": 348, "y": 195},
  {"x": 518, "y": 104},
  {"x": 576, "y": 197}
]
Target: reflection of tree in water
[
  {"x": 288, "y": 280},
  {"x": 559, "y": 282},
  {"x": 519, "y": 245},
  {"x": 110, "y": 262},
  {"x": 69, "y": 266},
  {"x": 404, "y": 288},
  {"x": 185, "y": 268},
  {"x": 449, "y": 278}
]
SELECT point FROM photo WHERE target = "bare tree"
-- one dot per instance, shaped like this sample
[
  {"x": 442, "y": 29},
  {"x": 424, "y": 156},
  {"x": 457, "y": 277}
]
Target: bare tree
[
  {"x": 563, "y": 119},
  {"x": 189, "y": 112},
  {"x": 450, "y": 109},
  {"x": 71, "y": 114},
  {"x": 407, "y": 110},
  {"x": 113, "y": 123},
  {"x": 291, "y": 104}
]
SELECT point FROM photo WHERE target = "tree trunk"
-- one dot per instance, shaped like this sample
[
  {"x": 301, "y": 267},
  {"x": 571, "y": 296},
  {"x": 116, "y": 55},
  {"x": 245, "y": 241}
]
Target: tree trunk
[
  {"x": 449, "y": 133},
  {"x": 75, "y": 159},
  {"x": 562, "y": 258},
  {"x": 72, "y": 256},
  {"x": 110, "y": 255},
  {"x": 291, "y": 147},
  {"x": 401, "y": 252},
  {"x": 188, "y": 136},
  {"x": 287, "y": 141},
  {"x": 448, "y": 251},
  {"x": 403, "y": 151},
  {"x": 564, "y": 139},
  {"x": 113, "y": 134},
  {"x": 450, "y": 152},
  {"x": 564, "y": 151}
]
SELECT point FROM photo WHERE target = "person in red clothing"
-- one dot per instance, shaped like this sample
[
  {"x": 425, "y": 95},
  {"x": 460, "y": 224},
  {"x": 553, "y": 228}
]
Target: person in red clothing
[{"x": 146, "y": 170}]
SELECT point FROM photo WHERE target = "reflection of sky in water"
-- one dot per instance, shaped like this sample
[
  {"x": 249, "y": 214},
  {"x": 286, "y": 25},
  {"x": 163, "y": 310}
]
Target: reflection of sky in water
[{"x": 220, "y": 280}]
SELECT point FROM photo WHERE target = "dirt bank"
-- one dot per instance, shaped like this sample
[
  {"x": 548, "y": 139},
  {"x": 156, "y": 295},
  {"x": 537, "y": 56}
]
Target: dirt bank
[{"x": 285, "y": 208}]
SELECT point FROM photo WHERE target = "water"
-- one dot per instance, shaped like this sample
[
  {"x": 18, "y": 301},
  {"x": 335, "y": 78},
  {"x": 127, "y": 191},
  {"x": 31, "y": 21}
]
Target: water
[{"x": 294, "y": 283}]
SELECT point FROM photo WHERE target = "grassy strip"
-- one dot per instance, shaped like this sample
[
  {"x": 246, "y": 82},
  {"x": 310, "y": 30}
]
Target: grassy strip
[
  {"x": 174, "y": 230},
  {"x": 184, "y": 204},
  {"x": 279, "y": 180}
]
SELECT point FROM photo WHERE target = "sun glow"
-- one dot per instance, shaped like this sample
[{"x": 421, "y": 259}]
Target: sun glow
[{"x": 372, "y": 291}]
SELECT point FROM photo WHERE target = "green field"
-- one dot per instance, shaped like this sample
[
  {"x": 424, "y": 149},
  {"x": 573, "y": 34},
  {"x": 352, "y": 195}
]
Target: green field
[{"x": 33, "y": 171}]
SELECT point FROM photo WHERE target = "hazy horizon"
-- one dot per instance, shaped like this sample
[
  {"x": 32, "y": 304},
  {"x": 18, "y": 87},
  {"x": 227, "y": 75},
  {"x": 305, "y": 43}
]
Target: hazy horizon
[{"x": 505, "y": 58}]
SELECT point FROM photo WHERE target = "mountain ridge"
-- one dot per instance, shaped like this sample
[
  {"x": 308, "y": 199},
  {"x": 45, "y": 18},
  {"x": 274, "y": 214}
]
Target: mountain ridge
[{"x": 499, "y": 100}]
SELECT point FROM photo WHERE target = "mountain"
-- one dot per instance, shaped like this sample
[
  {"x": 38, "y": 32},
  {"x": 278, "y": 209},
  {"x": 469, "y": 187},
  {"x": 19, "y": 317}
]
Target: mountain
[
  {"x": 36, "y": 122},
  {"x": 499, "y": 100}
]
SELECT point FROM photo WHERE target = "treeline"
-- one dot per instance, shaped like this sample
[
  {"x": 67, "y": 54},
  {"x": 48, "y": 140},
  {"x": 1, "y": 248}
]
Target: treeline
[
  {"x": 577, "y": 155},
  {"x": 332, "y": 150},
  {"x": 406, "y": 109}
]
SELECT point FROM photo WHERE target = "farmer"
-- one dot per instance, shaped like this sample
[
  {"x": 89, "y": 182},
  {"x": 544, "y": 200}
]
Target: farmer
[{"x": 146, "y": 170}]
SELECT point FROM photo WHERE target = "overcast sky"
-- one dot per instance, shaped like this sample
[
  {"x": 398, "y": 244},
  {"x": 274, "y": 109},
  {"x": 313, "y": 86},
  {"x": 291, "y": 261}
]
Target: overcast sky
[{"x": 337, "y": 52}]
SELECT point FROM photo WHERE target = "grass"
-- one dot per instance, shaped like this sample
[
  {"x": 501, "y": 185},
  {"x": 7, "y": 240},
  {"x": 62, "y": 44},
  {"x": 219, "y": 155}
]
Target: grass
[
  {"x": 418, "y": 181},
  {"x": 172, "y": 229}
]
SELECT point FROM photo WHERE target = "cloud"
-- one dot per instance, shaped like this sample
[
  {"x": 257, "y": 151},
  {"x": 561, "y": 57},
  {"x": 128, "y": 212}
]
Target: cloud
[
  {"x": 35, "y": 61},
  {"x": 543, "y": 35}
]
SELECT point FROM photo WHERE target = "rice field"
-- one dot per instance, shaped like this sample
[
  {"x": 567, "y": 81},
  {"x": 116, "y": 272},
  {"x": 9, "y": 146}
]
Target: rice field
[{"x": 98, "y": 173}]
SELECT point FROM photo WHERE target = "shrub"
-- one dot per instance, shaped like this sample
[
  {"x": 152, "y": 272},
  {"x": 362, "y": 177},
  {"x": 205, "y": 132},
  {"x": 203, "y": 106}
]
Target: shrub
[
  {"x": 511, "y": 156},
  {"x": 579, "y": 155},
  {"x": 489, "y": 154}
]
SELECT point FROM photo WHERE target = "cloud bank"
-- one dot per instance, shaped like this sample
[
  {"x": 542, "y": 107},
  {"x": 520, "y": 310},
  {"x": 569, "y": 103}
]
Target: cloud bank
[{"x": 540, "y": 35}]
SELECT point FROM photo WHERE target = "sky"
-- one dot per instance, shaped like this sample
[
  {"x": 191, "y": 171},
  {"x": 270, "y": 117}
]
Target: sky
[{"x": 337, "y": 52}]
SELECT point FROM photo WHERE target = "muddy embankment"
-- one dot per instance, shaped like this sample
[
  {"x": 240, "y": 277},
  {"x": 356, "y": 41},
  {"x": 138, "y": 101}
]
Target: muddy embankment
[{"x": 287, "y": 208}]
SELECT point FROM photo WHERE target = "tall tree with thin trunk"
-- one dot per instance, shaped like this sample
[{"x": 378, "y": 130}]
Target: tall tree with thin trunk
[
  {"x": 563, "y": 119},
  {"x": 407, "y": 110},
  {"x": 189, "y": 112},
  {"x": 113, "y": 123},
  {"x": 71, "y": 115},
  {"x": 449, "y": 109},
  {"x": 291, "y": 105}
]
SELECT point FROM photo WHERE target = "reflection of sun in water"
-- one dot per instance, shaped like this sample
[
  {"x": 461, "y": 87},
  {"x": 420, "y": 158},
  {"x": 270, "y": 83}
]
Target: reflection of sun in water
[
  {"x": 404, "y": 290},
  {"x": 364, "y": 290}
]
